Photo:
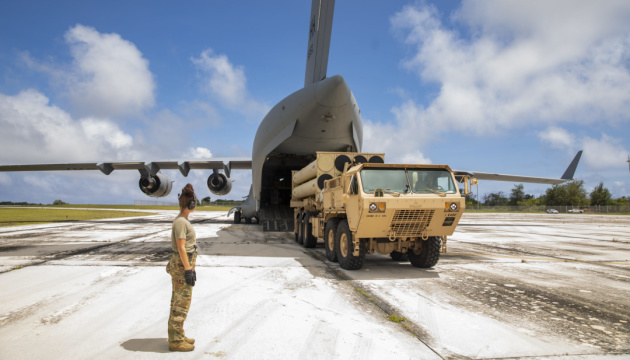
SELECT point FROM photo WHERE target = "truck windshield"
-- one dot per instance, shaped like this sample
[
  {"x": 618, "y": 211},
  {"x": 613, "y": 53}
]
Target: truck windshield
[
  {"x": 390, "y": 180},
  {"x": 431, "y": 181},
  {"x": 421, "y": 181}
]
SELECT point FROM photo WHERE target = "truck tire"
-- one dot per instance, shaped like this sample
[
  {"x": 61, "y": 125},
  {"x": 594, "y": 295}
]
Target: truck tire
[
  {"x": 237, "y": 217},
  {"x": 330, "y": 232},
  {"x": 297, "y": 228},
  {"x": 309, "y": 240},
  {"x": 398, "y": 256},
  {"x": 344, "y": 248},
  {"x": 300, "y": 239},
  {"x": 429, "y": 254}
]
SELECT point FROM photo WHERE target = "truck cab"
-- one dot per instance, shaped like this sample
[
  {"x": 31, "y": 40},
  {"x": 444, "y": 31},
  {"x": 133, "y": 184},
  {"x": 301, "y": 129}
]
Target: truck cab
[{"x": 405, "y": 211}]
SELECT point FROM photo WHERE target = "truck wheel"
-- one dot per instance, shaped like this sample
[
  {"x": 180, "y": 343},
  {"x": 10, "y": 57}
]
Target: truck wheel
[
  {"x": 309, "y": 240},
  {"x": 428, "y": 255},
  {"x": 330, "y": 230},
  {"x": 398, "y": 256},
  {"x": 237, "y": 217},
  {"x": 300, "y": 239},
  {"x": 297, "y": 228},
  {"x": 344, "y": 248}
]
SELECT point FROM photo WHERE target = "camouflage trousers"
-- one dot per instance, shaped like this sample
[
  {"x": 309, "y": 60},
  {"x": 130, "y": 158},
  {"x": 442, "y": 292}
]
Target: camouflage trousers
[{"x": 180, "y": 297}]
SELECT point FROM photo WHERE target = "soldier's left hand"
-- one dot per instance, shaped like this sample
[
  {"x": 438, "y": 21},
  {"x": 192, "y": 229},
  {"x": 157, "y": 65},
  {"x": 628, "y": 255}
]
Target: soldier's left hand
[{"x": 189, "y": 275}]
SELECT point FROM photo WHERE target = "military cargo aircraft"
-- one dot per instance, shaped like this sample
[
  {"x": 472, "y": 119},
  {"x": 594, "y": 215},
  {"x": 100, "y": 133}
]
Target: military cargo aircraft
[{"x": 322, "y": 116}]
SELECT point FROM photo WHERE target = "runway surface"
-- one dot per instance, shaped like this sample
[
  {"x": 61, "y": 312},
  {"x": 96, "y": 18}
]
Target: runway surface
[{"x": 522, "y": 286}]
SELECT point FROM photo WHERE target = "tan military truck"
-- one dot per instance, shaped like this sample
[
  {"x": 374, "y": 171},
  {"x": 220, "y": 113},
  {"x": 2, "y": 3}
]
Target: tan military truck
[{"x": 359, "y": 206}]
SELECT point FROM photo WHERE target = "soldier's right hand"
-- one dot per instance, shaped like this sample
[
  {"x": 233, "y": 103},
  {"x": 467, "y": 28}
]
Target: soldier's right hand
[{"x": 190, "y": 277}]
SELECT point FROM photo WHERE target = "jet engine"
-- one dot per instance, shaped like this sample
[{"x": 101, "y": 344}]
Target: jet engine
[
  {"x": 219, "y": 184},
  {"x": 156, "y": 185}
]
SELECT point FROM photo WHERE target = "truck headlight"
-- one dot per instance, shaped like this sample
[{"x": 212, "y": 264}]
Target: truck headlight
[
  {"x": 377, "y": 207},
  {"x": 451, "y": 207}
]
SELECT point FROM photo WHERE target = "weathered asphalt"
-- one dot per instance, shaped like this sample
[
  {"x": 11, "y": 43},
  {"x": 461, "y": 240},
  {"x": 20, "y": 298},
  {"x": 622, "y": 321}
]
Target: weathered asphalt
[{"x": 510, "y": 286}]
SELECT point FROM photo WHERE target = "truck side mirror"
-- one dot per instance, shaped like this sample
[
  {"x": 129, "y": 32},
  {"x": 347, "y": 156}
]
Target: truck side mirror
[{"x": 354, "y": 186}]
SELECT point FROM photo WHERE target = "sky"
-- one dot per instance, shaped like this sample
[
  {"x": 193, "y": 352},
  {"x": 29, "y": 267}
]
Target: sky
[{"x": 513, "y": 87}]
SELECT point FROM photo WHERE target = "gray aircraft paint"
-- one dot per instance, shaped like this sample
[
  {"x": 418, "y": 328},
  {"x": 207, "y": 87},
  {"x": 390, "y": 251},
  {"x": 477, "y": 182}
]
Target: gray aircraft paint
[
  {"x": 319, "y": 33},
  {"x": 320, "y": 117}
]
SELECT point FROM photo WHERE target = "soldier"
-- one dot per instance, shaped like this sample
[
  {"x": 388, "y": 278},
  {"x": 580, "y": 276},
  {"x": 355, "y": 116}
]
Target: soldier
[{"x": 182, "y": 270}]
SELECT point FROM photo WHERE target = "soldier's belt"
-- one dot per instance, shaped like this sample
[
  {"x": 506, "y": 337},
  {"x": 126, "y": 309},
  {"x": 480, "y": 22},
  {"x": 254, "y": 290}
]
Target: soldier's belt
[{"x": 194, "y": 251}]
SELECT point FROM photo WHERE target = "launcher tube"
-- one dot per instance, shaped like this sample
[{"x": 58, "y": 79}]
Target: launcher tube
[
  {"x": 305, "y": 190},
  {"x": 309, "y": 172}
]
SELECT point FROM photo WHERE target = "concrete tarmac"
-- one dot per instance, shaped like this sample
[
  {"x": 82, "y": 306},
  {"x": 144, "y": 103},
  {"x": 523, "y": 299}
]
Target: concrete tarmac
[{"x": 518, "y": 286}]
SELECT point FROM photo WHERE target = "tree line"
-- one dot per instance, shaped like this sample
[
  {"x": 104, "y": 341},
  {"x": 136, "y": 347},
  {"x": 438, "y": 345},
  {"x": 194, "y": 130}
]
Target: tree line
[
  {"x": 24, "y": 203},
  {"x": 569, "y": 194}
]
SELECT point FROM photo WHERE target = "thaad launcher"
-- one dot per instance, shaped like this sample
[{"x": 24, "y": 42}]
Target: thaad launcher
[{"x": 359, "y": 205}]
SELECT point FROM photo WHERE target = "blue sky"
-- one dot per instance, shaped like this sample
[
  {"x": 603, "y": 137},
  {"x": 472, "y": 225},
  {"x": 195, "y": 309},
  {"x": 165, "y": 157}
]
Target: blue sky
[{"x": 510, "y": 87}]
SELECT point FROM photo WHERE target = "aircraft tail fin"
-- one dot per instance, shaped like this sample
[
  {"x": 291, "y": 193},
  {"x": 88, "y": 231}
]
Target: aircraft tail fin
[
  {"x": 319, "y": 40},
  {"x": 568, "y": 174}
]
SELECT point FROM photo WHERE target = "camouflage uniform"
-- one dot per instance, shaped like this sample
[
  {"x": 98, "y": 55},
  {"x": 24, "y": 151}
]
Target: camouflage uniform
[{"x": 180, "y": 297}]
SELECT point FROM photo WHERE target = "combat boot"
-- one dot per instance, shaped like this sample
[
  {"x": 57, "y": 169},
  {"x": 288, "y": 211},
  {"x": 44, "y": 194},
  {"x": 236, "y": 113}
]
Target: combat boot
[
  {"x": 181, "y": 346},
  {"x": 189, "y": 340}
]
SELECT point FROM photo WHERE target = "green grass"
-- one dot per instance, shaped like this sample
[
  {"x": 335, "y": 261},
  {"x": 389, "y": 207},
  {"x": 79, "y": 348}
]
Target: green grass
[
  {"x": 144, "y": 207},
  {"x": 28, "y": 215},
  {"x": 396, "y": 318}
]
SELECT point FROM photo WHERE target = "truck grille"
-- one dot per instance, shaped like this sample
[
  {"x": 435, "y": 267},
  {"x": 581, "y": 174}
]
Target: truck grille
[{"x": 410, "y": 223}]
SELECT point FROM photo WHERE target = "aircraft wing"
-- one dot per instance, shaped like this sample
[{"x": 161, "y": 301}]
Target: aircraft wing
[
  {"x": 227, "y": 165},
  {"x": 567, "y": 176}
]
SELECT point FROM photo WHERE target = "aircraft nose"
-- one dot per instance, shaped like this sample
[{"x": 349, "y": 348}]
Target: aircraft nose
[{"x": 332, "y": 91}]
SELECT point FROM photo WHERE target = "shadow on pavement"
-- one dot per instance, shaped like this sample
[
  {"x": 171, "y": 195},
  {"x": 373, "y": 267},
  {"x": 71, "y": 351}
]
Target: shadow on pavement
[{"x": 159, "y": 345}]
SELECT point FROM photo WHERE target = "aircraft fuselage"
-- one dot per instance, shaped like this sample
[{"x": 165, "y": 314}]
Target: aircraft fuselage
[{"x": 323, "y": 116}]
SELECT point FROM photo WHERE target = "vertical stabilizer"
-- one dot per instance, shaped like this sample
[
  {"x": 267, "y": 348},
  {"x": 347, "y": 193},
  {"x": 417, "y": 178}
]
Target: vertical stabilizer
[
  {"x": 568, "y": 174},
  {"x": 318, "y": 40}
]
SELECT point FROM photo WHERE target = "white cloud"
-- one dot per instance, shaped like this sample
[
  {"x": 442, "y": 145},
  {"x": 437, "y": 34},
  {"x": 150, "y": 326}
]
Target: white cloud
[
  {"x": 99, "y": 130},
  {"x": 199, "y": 153},
  {"x": 399, "y": 141},
  {"x": 76, "y": 187},
  {"x": 224, "y": 80},
  {"x": 228, "y": 83},
  {"x": 558, "y": 138},
  {"x": 33, "y": 131},
  {"x": 5, "y": 180},
  {"x": 524, "y": 63},
  {"x": 42, "y": 184},
  {"x": 110, "y": 75},
  {"x": 415, "y": 157},
  {"x": 607, "y": 152}
]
